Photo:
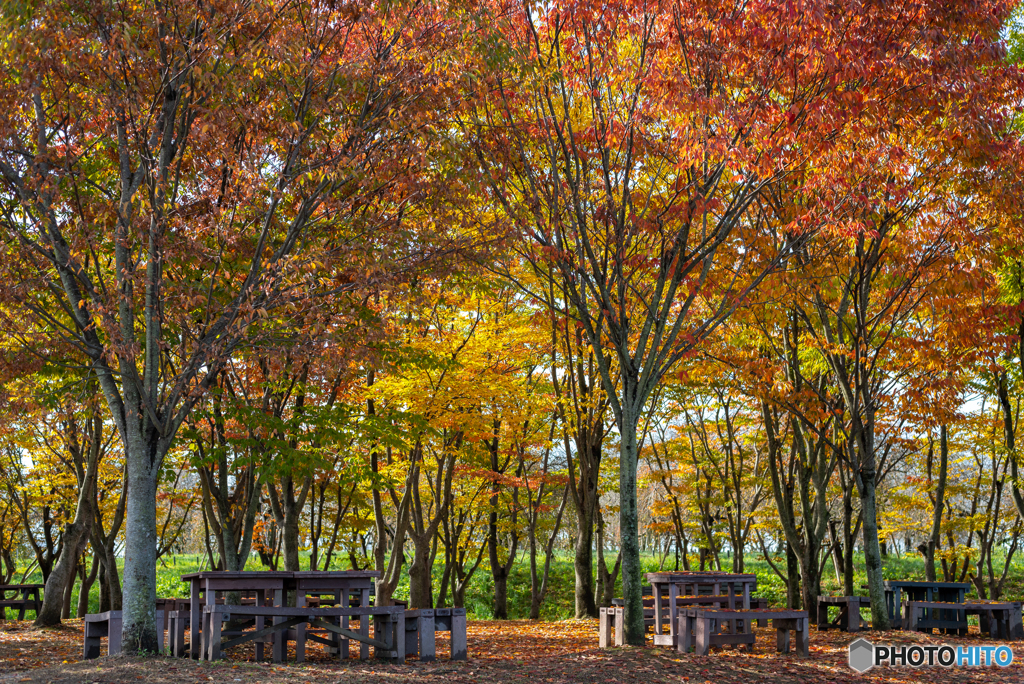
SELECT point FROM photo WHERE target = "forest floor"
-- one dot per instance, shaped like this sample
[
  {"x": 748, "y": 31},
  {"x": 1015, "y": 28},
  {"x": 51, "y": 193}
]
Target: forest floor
[{"x": 515, "y": 652}]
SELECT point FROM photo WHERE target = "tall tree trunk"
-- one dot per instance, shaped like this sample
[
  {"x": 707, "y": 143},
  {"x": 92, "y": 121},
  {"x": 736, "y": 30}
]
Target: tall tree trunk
[
  {"x": 938, "y": 504},
  {"x": 872, "y": 551},
  {"x": 421, "y": 587},
  {"x": 138, "y": 600},
  {"x": 87, "y": 582},
  {"x": 629, "y": 527}
]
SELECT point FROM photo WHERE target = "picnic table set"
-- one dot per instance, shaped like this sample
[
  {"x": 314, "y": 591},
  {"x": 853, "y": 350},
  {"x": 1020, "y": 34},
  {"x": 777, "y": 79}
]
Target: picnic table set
[
  {"x": 713, "y": 609},
  {"x": 282, "y": 608}
]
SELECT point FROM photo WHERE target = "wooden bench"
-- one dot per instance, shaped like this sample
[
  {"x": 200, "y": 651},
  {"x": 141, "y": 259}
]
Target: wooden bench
[
  {"x": 421, "y": 625},
  {"x": 702, "y": 627},
  {"x": 108, "y": 624},
  {"x": 923, "y": 616},
  {"x": 29, "y": 599},
  {"x": 849, "y": 619},
  {"x": 997, "y": 619},
  {"x": 610, "y": 617},
  {"x": 388, "y": 622}
]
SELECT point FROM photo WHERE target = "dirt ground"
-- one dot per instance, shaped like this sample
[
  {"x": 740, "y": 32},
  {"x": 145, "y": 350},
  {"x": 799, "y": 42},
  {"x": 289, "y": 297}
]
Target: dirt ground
[{"x": 516, "y": 652}]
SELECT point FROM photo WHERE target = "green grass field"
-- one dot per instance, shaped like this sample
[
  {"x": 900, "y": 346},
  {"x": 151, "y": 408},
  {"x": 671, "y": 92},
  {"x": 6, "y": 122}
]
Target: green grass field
[{"x": 560, "y": 602}]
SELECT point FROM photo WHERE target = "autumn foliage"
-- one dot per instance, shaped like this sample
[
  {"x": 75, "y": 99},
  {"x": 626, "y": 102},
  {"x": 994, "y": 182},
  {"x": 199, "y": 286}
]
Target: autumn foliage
[{"x": 450, "y": 289}]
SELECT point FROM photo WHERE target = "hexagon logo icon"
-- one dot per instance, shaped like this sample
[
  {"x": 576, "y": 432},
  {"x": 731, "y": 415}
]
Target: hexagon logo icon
[{"x": 862, "y": 655}]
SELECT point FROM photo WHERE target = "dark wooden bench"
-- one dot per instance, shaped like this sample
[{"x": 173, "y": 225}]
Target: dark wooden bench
[
  {"x": 610, "y": 617},
  {"x": 422, "y": 624},
  {"x": 388, "y": 621},
  {"x": 849, "y": 619},
  {"x": 702, "y": 627},
  {"x": 923, "y": 616},
  {"x": 108, "y": 624},
  {"x": 997, "y": 619},
  {"x": 29, "y": 599}
]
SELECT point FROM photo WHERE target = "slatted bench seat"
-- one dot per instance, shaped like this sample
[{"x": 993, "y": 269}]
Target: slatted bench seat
[
  {"x": 849, "y": 619},
  {"x": 923, "y": 616},
  {"x": 702, "y": 627},
  {"x": 997, "y": 619},
  {"x": 610, "y": 617},
  {"x": 422, "y": 624},
  {"x": 388, "y": 622},
  {"x": 108, "y": 624}
]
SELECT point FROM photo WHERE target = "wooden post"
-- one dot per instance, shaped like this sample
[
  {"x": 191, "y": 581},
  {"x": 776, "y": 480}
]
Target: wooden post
[
  {"x": 195, "y": 616},
  {"x": 781, "y": 636},
  {"x": 213, "y": 638},
  {"x": 425, "y": 629},
  {"x": 459, "y": 634},
  {"x": 852, "y": 614},
  {"x": 261, "y": 600},
  {"x": 656, "y": 593},
  {"x": 673, "y": 612},
  {"x": 604, "y": 629},
  {"x": 703, "y": 635},
  {"x": 803, "y": 640}
]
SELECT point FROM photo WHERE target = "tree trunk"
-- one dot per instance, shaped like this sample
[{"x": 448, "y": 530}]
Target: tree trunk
[
  {"x": 629, "y": 532},
  {"x": 792, "y": 578},
  {"x": 938, "y": 505},
  {"x": 583, "y": 559},
  {"x": 421, "y": 589},
  {"x": 872, "y": 550},
  {"x": 87, "y": 582},
  {"x": 138, "y": 605},
  {"x": 65, "y": 611}
]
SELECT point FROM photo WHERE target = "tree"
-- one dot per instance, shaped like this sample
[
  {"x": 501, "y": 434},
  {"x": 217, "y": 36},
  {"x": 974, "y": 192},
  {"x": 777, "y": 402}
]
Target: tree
[
  {"x": 173, "y": 189},
  {"x": 628, "y": 146}
]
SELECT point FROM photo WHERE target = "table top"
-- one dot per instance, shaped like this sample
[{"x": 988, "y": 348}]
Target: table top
[
  {"x": 240, "y": 574},
  {"x": 699, "y": 577},
  {"x": 9, "y": 587},
  {"x": 919, "y": 584},
  {"x": 281, "y": 574},
  {"x": 332, "y": 574}
]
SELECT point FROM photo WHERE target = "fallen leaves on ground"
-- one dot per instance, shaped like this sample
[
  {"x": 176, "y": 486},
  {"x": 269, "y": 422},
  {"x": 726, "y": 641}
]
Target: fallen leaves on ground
[{"x": 514, "y": 652}]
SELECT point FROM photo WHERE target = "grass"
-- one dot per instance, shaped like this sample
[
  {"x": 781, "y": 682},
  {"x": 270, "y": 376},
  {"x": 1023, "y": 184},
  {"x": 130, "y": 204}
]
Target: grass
[{"x": 559, "y": 604}]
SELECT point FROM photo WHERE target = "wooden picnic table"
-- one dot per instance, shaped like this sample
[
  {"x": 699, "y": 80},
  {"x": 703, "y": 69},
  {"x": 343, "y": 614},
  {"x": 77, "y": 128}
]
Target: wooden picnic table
[
  {"x": 278, "y": 588},
  {"x": 668, "y": 587},
  {"x": 916, "y": 590},
  {"x": 21, "y": 604}
]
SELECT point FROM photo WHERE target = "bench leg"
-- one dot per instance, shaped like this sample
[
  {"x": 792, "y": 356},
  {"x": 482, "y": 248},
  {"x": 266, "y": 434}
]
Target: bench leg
[
  {"x": 703, "y": 636},
  {"x": 114, "y": 636},
  {"x": 399, "y": 631},
  {"x": 782, "y": 639},
  {"x": 620, "y": 626},
  {"x": 279, "y": 652},
  {"x": 459, "y": 637},
  {"x": 853, "y": 615},
  {"x": 91, "y": 641},
  {"x": 342, "y": 641},
  {"x": 427, "y": 648},
  {"x": 603, "y": 629},
  {"x": 364, "y": 630},
  {"x": 803, "y": 641}
]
